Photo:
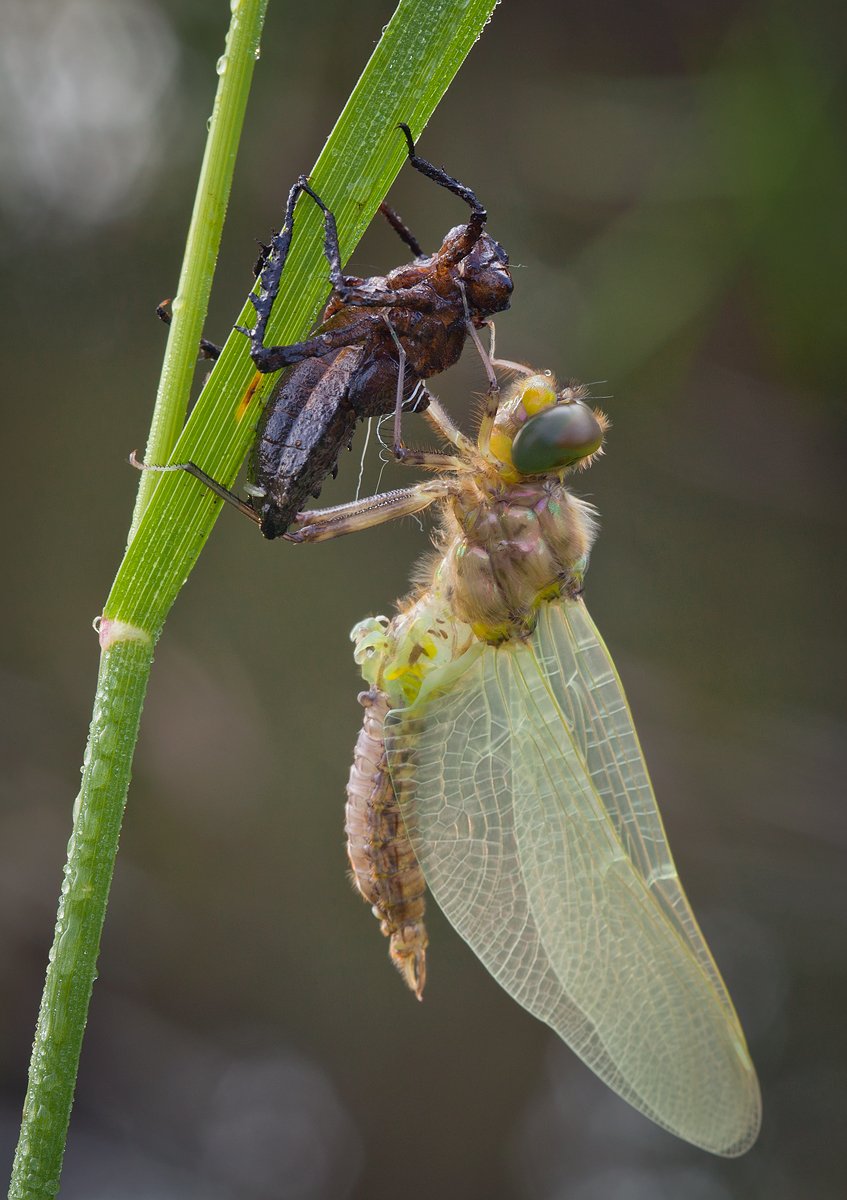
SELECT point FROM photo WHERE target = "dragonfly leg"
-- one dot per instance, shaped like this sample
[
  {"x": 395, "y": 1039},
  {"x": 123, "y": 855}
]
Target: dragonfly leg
[
  {"x": 401, "y": 228},
  {"x": 191, "y": 468},
  {"x": 271, "y": 272},
  {"x": 505, "y": 364},
  {"x": 444, "y": 425},
  {"x": 321, "y": 524},
  {"x": 271, "y": 358},
  {"x": 437, "y": 459},
  {"x": 438, "y": 175},
  {"x": 492, "y": 396}
]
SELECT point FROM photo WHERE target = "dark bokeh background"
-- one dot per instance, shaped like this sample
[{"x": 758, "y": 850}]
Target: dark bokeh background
[{"x": 670, "y": 181}]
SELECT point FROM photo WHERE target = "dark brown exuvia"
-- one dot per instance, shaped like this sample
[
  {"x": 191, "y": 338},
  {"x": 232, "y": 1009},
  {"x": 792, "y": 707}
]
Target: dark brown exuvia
[
  {"x": 348, "y": 369},
  {"x": 380, "y": 337}
]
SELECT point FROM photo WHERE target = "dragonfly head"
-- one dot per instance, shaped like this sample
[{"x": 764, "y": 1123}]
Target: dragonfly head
[{"x": 542, "y": 431}]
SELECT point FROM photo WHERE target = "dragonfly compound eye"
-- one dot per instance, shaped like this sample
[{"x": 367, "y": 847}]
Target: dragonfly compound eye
[{"x": 556, "y": 438}]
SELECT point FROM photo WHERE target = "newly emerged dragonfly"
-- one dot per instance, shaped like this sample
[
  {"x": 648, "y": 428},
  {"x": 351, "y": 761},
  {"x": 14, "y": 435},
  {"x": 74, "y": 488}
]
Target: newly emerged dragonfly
[{"x": 499, "y": 763}]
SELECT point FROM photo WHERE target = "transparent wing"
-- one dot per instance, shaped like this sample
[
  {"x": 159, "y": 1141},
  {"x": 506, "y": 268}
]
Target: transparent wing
[
  {"x": 573, "y": 658},
  {"x": 527, "y": 801}
]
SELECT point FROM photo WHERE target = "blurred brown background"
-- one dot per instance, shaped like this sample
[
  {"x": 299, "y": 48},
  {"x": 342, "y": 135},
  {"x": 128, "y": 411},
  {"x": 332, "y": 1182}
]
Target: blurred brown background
[{"x": 669, "y": 179}]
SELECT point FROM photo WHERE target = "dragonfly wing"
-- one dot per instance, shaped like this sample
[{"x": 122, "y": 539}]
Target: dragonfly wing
[
  {"x": 583, "y": 678},
  {"x": 501, "y": 767}
]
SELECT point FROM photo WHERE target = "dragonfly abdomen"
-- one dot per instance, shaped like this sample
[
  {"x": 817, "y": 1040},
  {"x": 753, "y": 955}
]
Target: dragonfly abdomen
[{"x": 385, "y": 869}]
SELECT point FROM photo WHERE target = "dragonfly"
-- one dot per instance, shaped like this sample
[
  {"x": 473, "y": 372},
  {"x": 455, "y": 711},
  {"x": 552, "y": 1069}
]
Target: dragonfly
[{"x": 498, "y": 767}]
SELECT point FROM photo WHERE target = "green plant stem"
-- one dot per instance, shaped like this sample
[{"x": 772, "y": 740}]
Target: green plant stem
[
  {"x": 409, "y": 71},
  {"x": 124, "y": 670},
  {"x": 191, "y": 303}
]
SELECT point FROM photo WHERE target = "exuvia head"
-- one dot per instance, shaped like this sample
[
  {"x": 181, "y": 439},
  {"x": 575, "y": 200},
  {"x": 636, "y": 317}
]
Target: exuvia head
[
  {"x": 483, "y": 271},
  {"x": 486, "y": 278}
]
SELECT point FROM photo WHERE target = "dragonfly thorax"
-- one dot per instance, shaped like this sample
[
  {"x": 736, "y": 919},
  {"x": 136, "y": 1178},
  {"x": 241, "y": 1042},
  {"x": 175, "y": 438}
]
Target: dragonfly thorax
[{"x": 513, "y": 547}]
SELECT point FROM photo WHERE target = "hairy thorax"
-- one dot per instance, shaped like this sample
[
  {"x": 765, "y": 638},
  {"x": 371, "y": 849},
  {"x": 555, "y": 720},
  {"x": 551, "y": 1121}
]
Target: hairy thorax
[{"x": 510, "y": 547}]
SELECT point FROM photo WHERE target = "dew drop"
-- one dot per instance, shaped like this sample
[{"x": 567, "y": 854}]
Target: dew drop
[
  {"x": 108, "y": 738},
  {"x": 99, "y": 774}
]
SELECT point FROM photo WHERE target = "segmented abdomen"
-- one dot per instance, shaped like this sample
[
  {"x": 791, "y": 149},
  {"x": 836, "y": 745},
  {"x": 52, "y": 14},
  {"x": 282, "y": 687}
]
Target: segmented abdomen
[{"x": 385, "y": 869}]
